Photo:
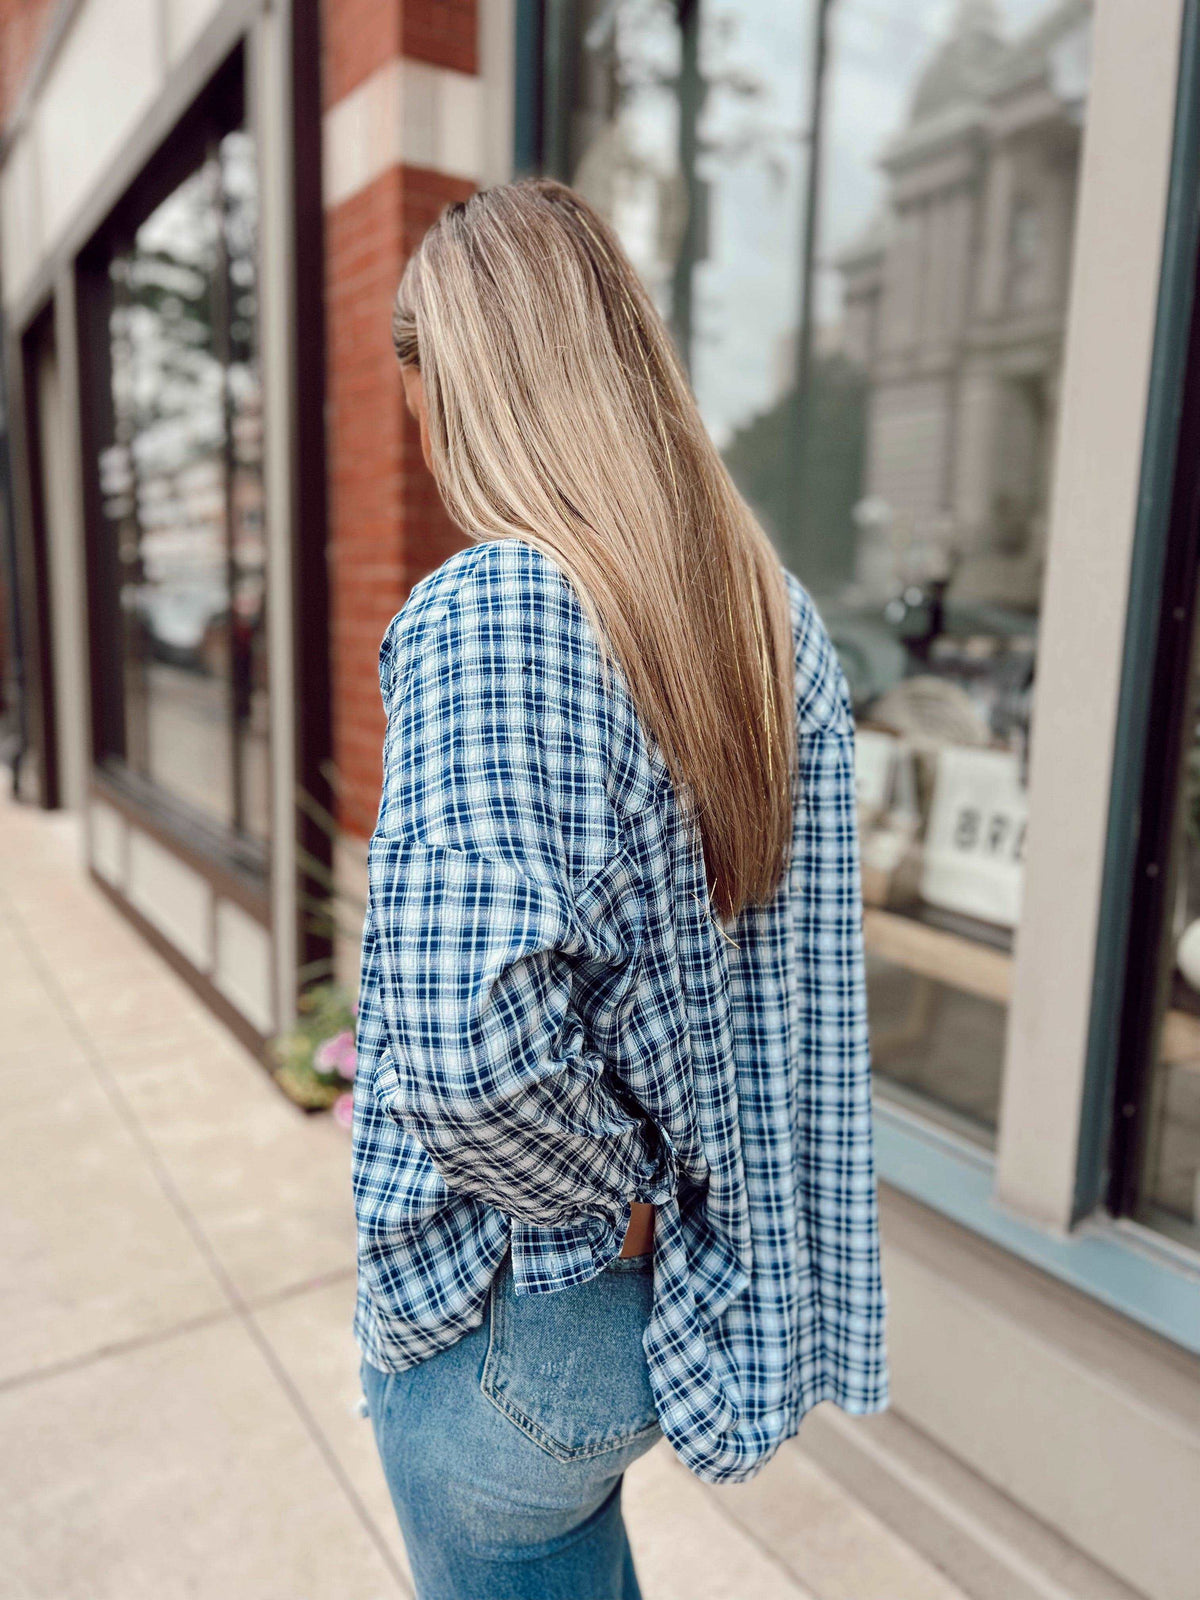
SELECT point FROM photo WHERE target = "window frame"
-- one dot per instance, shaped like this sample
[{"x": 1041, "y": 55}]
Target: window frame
[
  {"x": 1155, "y": 701},
  {"x": 280, "y": 49},
  {"x": 1097, "y": 1247},
  {"x": 38, "y": 335},
  {"x": 221, "y": 105}
]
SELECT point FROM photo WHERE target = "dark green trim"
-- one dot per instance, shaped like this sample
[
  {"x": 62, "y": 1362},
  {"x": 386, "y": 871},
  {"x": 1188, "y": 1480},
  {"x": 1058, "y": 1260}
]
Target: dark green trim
[
  {"x": 1168, "y": 371},
  {"x": 558, "y": 88},
  {"x": 527, "y": 88}
]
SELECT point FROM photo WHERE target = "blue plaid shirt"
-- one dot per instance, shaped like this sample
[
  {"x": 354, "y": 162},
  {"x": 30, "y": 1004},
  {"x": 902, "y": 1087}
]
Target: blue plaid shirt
[{"x": 553, "y": 1023}]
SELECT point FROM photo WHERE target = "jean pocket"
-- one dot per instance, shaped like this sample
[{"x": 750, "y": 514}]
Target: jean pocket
[
  {"x": 642, "y": 1263},
  {"x": 568, "y": 1368}
]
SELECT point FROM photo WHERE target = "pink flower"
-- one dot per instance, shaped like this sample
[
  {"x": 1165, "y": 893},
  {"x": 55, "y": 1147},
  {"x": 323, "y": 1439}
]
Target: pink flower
[
  {"x": 343, "y": 1110},
  {"x": 336, "y": 1055}
]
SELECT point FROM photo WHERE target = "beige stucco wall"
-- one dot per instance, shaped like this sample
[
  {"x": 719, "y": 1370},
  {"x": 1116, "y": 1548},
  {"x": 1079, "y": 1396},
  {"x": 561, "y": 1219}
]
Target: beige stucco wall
[
  {"x": 1089, "y": 1423},
  {"x": 1114, "y": 294},
  {"x": 106, "y": 75}
]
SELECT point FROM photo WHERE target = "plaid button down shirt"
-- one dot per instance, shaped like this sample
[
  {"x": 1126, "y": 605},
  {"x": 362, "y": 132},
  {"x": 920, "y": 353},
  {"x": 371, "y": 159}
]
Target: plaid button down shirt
[{"x": 553, "y": 1023}]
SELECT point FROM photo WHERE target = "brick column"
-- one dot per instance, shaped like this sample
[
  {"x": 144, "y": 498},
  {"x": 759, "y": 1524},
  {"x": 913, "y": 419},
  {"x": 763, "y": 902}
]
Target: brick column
[
  {"x": 402, "y": 129},
  {"x": 23, "y": 26}
]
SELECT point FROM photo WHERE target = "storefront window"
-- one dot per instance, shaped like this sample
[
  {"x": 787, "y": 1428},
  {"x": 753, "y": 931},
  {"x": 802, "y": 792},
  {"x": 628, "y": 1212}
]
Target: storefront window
[
  {"x": 181, "y": 495},
  {"x": 876, "y": 349}
]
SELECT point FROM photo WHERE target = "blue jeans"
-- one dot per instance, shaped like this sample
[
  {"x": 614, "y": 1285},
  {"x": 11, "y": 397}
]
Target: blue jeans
[{"x": 505, "y": 1453}]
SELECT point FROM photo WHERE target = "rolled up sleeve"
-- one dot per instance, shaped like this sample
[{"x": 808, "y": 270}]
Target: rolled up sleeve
[{"x": 492, "y": 828}]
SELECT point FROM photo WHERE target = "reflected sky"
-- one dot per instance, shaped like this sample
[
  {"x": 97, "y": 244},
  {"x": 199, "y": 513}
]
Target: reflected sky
[{"x": 756, "y": 60}]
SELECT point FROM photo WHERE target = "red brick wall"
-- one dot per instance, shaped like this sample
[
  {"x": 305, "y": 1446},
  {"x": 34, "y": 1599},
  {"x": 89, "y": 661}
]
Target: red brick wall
[
  {"x": 357, "y": 37},
  {"x": 22, "y": 27},
  {"x": 364, "y": 431},
  {"x": 361, "y": 35},
  {"x": 443, "y": 32},
  {"x": 22, "y": 24},
  {"x": 387, "y": 525}
]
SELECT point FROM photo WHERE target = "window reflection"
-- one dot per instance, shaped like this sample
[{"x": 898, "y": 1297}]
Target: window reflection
[
  {"x": 891, "y": 419},
  {"x": 181, "y": 482}
]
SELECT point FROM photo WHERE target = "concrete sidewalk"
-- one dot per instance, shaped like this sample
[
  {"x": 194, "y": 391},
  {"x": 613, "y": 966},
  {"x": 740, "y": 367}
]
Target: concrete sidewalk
[{"x": 177, "y": 1376}]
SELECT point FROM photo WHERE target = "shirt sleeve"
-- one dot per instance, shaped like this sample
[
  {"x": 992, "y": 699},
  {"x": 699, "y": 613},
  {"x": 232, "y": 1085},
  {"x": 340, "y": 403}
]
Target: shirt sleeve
[{"x": 494, "y": 873}]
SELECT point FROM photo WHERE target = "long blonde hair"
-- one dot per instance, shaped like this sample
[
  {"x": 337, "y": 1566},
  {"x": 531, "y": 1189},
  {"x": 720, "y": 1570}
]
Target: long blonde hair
[{"x": 558, "y": 414}]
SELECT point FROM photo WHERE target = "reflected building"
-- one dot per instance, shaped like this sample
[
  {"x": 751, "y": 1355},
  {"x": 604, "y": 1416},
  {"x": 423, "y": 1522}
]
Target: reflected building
[{"x": 954, "y": 306}]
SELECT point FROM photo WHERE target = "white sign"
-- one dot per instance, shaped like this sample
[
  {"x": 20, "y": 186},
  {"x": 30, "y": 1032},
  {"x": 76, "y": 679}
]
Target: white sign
[
  {"x": 975, "y": 841},
  {"x": 874, "y": 754}
]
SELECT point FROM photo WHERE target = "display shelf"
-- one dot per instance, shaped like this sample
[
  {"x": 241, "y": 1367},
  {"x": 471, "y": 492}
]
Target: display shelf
[
  {"x": 985, "y": 972},
  {"x": 935, "y": 953}
]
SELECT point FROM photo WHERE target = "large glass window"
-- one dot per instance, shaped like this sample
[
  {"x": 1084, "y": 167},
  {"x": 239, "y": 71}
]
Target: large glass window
[
  {"x": 179, "y": 464},
  {"x": 875, "y": 339}
]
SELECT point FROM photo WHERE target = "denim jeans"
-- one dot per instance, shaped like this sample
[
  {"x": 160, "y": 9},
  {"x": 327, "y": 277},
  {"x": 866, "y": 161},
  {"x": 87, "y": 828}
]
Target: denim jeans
[{"x": 505, "y": 1453}]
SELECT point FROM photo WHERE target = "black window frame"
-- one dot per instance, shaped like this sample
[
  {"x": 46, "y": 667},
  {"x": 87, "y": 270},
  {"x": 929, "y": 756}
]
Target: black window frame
[
  {"x": 1169, "y": 717},
  {"x": 220, "y": 107},
  {"x": 39, "y": 337}
]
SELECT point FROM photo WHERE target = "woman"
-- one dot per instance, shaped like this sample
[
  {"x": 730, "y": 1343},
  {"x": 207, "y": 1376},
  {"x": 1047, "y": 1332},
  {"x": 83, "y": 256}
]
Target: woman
[{"x": 612, "y": 1145}]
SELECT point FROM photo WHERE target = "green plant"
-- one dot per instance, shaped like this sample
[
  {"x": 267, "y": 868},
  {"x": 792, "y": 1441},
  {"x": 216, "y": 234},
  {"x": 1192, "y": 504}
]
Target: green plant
[
  {"x": 330, "y": 910},
  {"x": 313, "y": 1062}
]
